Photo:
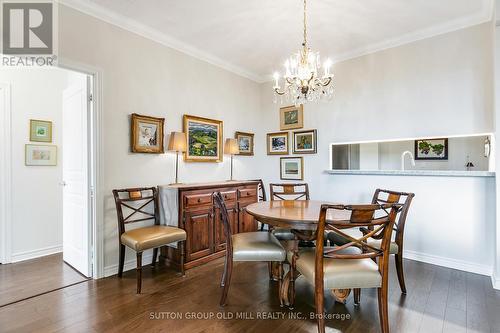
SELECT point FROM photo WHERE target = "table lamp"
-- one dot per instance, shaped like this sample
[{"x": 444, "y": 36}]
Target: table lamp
[
  {"x": 177, "y": 143},
  {"x": 231, "y": 148}
]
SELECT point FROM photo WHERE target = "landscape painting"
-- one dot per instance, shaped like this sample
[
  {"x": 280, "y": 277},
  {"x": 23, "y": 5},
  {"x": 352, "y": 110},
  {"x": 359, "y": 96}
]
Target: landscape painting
[
  {"x": 291, "y": 168},
  {"x": 431, "y": 149},
  {"x": 291, "y": 117},
  {"x": 204, "y": 139},
  {"x": 277, "y": 143},
  {"x": 40, "y": 130},
  {"x": 40, "y": 155},
  {"x": 245, "y": 143}
]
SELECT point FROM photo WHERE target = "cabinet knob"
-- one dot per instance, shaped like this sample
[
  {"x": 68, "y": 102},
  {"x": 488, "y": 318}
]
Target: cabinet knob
[{"x": 199, "y": 200}]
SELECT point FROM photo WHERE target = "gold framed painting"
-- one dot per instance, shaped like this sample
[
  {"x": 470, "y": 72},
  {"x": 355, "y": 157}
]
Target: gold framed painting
[
  {"x": 304, "y": 142},
  {"x": 204, "y": 138},
  {"x": 291, "y": 117},
  {"x": 40, "y": 130},
  {"x": 147, "y": 134},
  {"x": 277, "y": 143},
  {"x": 40, "y": 155},
  {"x": 245, "y": 143},
  {"x": 291, "y": 168}
]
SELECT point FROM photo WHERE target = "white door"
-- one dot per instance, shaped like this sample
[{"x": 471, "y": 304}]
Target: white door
[{"x": 75, "y": 156}]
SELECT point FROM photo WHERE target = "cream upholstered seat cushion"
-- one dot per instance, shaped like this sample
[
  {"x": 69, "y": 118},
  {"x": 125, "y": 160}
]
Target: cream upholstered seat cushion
[
  {"x": 356, "y": 233},
  {"x": 340, "y": 273},
  {"x": 257, "y": 246},
  {"x": 145, "y": 238},
  {"x": 283, "y": 234}
]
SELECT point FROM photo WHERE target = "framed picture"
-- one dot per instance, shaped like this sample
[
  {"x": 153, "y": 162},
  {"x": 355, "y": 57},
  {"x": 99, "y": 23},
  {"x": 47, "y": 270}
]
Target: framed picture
[
  {"x": 277, "y": 143},
  {"x": 291, "y": 168},
  {"x": 245, "y": 143},
  {"x": 304, "y": 142},
  {"x": 291, "y": 117},
  {"x": 40, "y": 130},
  {"x": 147, "y": 134},
  {"x": 204, "y": 139},
  {"x": 40, "y": 155},
  {"x": 431, "y": 149}
]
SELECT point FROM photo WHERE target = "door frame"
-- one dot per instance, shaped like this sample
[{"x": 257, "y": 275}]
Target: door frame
[
  {"x": 96, "y": 168},
  {"x": 6, "y": 177}
]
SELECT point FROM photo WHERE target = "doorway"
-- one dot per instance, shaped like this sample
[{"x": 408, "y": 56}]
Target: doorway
[{"x": 48, "y": 220}]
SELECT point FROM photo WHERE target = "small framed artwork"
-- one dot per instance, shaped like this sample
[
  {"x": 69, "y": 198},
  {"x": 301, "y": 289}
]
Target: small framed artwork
[
  {"x": 245, "y": 143},
  {"x": 431, "y": 149},
  {"x": 291, "y": 168},
  {"x": 277, "y": 143},
  {"x": 147, "y": 134},
  {"x": 40, "y": 155},
  {"x": 40, "y": 130},
  {"x": 291, "y": 117},
  {"x": 304, "y": 142},
  {"x": 204, "y": 139}
]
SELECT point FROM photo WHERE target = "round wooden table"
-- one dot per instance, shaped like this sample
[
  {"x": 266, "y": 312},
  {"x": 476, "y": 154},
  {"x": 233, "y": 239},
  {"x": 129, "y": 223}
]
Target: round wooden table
[{"x": 299, "y": 215}]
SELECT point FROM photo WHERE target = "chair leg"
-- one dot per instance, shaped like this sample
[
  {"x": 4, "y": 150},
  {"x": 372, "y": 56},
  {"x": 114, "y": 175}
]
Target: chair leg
[
  {"x": 319, "y": 300},
  {"x": 155, "y": 255},
  {"x": 357, "y": 296},
  {"x": 139, "y": 271},
  {"x": 280, "y": 282},
  {"x": 121, "y": 261},
  {"x": 399, "y": 270},
  {"x": 270, "y": 269},
  {"x": 182, "y": 248},
  {"x": 227, "y": 281},
  {"x": 223, "y": 279},
  {"x": 383, "y": 309},
  {"x": 291, "y": 292}
]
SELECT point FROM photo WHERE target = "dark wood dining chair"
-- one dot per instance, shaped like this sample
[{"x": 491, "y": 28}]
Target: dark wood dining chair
[
  {"x": 287, "y": 191},
  {"x": 396, "y": 247},
  {"x": 139, "y": 205},
  {"x": 262, "y": 196},
  {"x": 355, "y": 264},
  {"x": 248, "y": 246}
]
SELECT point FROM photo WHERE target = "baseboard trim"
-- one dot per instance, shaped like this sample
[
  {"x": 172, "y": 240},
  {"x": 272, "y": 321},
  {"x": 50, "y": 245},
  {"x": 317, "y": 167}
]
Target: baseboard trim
[
  {"x": 448, "y": 262},
  {"x": 26, "y": 255},
  {"x": 495, "y": 281},
  {"x": 129, "y": 264}
]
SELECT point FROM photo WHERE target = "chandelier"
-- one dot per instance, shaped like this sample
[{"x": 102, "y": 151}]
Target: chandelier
[{"x": 302, "y": 81}]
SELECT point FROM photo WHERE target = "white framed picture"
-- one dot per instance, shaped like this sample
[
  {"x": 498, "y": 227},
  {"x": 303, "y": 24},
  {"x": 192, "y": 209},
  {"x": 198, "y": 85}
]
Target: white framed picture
[
  {"x": 40, "y": 155},
  {"x": 291, "y": 168}
]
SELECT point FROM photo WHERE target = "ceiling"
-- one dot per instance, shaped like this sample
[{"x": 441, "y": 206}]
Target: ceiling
[{"x": 254, "y": 37}]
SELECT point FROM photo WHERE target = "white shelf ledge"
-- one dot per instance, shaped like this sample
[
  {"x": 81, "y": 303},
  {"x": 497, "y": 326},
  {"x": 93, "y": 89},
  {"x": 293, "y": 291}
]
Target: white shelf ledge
[{"x": 432, "y": 173}]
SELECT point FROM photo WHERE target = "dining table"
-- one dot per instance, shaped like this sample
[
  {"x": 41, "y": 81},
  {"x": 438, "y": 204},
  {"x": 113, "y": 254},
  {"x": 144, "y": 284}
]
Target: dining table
[{"x": 302, "y": 217}]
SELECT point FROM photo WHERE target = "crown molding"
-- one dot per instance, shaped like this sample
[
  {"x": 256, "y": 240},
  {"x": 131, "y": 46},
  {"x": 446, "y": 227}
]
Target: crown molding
[
  {"x": 486, "y": 14},
  {"x": 155, "y": 35}
]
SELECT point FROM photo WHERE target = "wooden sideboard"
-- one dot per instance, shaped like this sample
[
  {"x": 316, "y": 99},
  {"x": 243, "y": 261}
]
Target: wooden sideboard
[{"x": 201, "y": 220}]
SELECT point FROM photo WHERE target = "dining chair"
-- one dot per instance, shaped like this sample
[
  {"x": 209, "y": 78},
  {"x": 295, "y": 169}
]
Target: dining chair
[
  {"x": 261, "y": 196},
  {"x": 287, "y": 191},
  {"x": 248, "y": 246},
  {"x": 140, "y": 205},
  {"x": 396, "y": 247},
  {"x": 355, "y": 264}
]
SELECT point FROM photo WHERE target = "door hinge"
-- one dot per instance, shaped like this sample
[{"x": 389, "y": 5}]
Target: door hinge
[
  {"x": 92, "y": 192},
  {"x": 91, "y": 97}
]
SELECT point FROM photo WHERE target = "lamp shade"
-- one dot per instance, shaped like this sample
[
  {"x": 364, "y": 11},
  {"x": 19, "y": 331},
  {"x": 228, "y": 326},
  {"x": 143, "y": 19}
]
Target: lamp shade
[
  {"x": 231, "y": 147},
  {"x": 177, "y": 142}
]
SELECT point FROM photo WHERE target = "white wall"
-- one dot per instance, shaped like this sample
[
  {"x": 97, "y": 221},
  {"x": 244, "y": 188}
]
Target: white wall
[
  {"x": 145, "y": 77},
  {"x": 36, "y": 207},
  {"x": 435, "y": 87}
]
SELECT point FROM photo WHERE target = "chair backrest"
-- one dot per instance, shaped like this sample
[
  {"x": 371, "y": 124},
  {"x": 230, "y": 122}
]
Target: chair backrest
[
  {"x": 261, "y": 190},
  {"x": 134, "y": 203},
  {"x": 221, "y": 206},
  {"x": 388, "y": 197},
  {"x": 289, "y": 191},
  {"x": 378, "y": 218}
]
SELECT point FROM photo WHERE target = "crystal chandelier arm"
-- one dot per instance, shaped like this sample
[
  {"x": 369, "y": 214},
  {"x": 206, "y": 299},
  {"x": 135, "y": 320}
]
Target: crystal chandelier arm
[
  {"x": 277, "y": 91},
  {"x": 326, "y": 82}
]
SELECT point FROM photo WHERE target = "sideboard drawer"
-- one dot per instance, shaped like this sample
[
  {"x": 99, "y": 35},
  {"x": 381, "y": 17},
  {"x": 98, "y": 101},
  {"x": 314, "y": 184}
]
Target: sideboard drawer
[
  {"x": 229, "y": 195},
  {"x": 197, "y": 199},
  {"x": 247, "y": 192}
]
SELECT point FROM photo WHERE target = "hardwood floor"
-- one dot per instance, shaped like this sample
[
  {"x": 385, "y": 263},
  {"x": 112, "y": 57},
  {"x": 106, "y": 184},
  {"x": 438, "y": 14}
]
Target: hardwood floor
[
  {"x": 438, "y": 300},
  {"x": 33, "y": 277}
]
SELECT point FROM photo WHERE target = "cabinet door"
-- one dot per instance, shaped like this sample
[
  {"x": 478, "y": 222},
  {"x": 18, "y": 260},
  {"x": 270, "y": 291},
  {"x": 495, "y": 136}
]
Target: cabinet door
[
  {"x": 220, "y": 237},
  {"x": 199, "y": 229},
  {"x": 247, "y": 222}
]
